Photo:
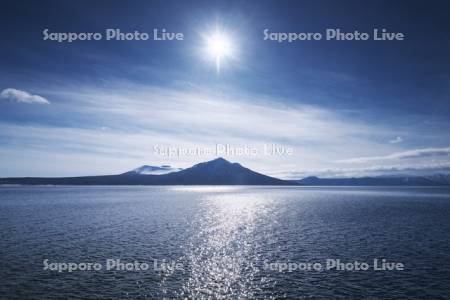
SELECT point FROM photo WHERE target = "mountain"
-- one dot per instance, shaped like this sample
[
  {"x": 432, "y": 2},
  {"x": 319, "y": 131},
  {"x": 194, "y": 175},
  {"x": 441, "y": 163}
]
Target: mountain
[
  {"x": 215, "y": 172},
  {"x": 153, "y": 170},
  {"x": 221, "y": 171},
  {"x": 434, "y": 180}
]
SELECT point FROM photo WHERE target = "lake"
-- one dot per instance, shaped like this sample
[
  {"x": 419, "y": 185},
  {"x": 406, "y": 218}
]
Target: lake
[{"x": 224, "y": 242}]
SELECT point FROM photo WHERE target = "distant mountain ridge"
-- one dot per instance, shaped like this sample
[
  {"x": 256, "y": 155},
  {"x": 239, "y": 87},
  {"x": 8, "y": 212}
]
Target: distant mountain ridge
[
  {"x": 222, "y": 172},
  {"x": 215, "y": 172},
  {"x": 433, "y": 180}
]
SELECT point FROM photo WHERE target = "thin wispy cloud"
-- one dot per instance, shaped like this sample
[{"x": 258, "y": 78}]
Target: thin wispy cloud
[
  {"x": 397, "y": 140},
  {"x": 209, "y": 113},
  {"x": 22, "y": 96}
]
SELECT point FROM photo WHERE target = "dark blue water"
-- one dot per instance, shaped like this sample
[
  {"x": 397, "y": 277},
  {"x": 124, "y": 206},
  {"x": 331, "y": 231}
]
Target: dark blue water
[{"x": 224, "y": 239}]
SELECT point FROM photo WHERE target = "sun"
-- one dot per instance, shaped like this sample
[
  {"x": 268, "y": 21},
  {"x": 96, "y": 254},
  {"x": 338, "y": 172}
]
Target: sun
[{"x": 219, "y": 47}]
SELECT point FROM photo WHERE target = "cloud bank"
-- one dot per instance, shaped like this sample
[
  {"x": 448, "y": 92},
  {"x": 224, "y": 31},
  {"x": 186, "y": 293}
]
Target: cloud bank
[
  {"x": 377, "y": 170},
  {"x": 22, "y": 96},
  {"x": 416, "y": 153}
]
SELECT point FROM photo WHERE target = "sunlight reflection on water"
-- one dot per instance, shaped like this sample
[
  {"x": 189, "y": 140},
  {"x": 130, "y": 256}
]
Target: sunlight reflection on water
[
  {"x": 206, "y": 189},
  {"x": 224, "y": 254}
]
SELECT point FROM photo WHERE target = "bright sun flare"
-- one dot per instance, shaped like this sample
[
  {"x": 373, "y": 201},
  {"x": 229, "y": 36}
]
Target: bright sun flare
[{"x": 219, "y": 47}]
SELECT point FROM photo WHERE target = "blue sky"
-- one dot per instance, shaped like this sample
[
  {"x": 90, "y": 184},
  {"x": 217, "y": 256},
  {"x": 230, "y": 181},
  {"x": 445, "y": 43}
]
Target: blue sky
[{"x": 346, "y": 108}]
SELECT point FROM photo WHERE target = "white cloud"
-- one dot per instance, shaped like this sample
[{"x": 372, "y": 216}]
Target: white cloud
[
  {"x": 416, "y": 153},
  {"x": 22, "y": 96},
  {"x": 396, "y": 140}
]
